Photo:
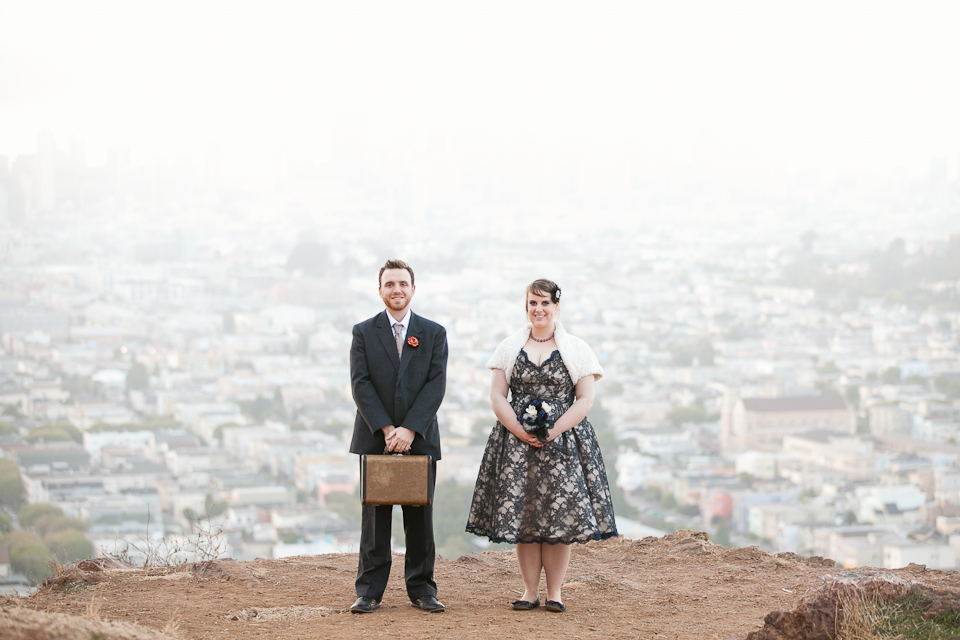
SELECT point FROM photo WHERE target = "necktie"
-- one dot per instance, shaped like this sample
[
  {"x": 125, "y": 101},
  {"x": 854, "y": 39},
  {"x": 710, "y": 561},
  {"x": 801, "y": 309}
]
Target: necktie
[{"x": 398, "y": 332}]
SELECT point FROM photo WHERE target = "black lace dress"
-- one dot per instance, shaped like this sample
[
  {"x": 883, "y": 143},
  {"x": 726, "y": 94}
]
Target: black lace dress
[{"x": 554, "y": 494}]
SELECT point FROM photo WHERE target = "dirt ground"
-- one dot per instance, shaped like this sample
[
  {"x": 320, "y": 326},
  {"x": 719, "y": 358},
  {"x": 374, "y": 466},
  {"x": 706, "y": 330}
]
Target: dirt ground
[{"x": 678, "y": 586}]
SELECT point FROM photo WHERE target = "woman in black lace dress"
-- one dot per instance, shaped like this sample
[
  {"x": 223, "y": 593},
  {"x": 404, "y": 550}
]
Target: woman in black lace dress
[{"x": 542, "y": 484}]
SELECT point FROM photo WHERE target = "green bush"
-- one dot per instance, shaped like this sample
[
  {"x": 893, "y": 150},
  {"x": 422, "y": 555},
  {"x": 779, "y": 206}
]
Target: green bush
[
  {"x": 28, "y": 555},
  {"x": 948, "y": 386},
  {"x": 722, "y": 535},
  {"x": 700, "y": 351},
  {"x": 150, "y": 424},
  {"x": 30, "y": 513},
  {"x": 54, "y": 523},
  {"x": 451, "y": 507},
  {"x": 138, "y": 378},
  {"x": 693, "y": 413},
  {"x": 68, "y": 545},
  {"x": 59, "y": 432},
  {"x": 11, "y": 484},
  {"x": 346, "y": 505}
]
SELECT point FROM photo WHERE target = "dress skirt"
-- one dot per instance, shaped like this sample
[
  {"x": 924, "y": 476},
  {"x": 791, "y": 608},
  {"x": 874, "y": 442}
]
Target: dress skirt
[{"x": 555, "y": 494}]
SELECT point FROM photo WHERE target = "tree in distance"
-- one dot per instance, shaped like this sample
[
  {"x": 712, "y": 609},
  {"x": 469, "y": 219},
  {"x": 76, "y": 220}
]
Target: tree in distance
[
  {"x": 56, "y": 432},
  {"x": 310, "y": 257},
  {"x": 138, "y": 378},
  {"x": 54, "y": 523},
  {"x": 30, "y": 513},
  {"x": 69, "y": 545},
  {"x": 11, "y": 484},
  {"x": 28, "y": 554},
  {"x": 693, "y": 413},
  {"x": 891, "y": 375}
]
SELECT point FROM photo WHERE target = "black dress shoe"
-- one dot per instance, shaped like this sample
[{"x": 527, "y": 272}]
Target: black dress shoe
[
  {"x": 365, "y": 605},
  {"x": 430, "y": 604},
  {"x": 556, "y": 607},
  {"x": 525, "y": 605}
]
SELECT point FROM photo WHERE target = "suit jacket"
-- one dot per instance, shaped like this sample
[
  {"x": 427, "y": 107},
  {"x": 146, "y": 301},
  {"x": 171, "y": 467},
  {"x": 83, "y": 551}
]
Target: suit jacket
[{"x": 404, "y": 392}]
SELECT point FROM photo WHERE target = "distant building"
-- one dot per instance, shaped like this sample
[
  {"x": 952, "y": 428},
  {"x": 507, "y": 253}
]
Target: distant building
[
  {"x": 890, "y": 418},
  {"x": 758, "y": 464},
  {"x": 667, "y": 442},
  {"x": 933, "y": 556},
  {"x": 179, "y": 246},
  {"x": 46, "y": 184},
  {"x": 851, "y": 455},
  {"x": 53, "y": 456},
  {"x": 769, "y": 520},
  {"x": 12, "y": 197},
  {"x": 913, "y": 367},
  {"x": 22, "y": 318},
  {"x": 888, "y": 504},
  {"x": 761, "y": 423}
]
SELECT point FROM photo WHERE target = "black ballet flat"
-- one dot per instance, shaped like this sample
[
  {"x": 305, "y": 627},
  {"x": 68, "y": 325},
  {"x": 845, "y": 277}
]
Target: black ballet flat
[
  {"x": 526, "y": 605},
  {"x": 556, "y": 607}
]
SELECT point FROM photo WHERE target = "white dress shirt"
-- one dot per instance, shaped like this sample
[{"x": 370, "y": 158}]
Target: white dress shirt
[{"x": 405, "y": 322}]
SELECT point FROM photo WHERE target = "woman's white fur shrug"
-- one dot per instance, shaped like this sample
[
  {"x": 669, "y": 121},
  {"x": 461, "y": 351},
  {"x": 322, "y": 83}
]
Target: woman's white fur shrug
[{"x": 576, "y": 354}]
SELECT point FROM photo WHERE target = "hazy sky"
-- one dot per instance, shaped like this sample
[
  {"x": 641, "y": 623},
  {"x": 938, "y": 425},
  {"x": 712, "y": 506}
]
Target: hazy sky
[{"x": 745, "y": 86}]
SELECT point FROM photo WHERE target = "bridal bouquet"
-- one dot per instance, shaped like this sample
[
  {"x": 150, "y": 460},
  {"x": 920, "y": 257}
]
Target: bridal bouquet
[{"x": 535, "y": 418}]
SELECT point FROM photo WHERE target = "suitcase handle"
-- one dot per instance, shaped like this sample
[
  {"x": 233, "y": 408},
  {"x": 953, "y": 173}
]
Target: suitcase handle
[{"x": 387, "y": 452}]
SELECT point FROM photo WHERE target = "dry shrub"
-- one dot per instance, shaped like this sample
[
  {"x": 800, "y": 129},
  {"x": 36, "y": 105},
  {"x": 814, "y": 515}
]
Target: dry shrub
[
  {"x": 864, "y": 617},
  {"x": 168, "y": 576},
  {"x": 172, "y": 627},
  {"x": 912, "y": 615},
  {"x": 93, "y": 608},
  {"x": 69, "y": 576},
  {"x": 27, "y": 624},
  {"x": 278, "y": 614}
]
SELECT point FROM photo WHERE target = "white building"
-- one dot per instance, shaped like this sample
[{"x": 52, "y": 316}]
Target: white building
[
  {"x": 933, "y": 556},
  {"x": 887, "y": 503},
  {"x": 849, "y": 454},
  {"x": 759, "y": 464},
  {"x": 667, "y": 442},
  {"x": 143, "y": 442}
]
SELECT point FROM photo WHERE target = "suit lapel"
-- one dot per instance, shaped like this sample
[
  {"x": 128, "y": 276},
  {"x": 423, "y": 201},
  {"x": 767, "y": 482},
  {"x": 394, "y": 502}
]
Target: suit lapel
[
  {"x": 413, "y": 330},
  {"x": 385, "y": 331}
]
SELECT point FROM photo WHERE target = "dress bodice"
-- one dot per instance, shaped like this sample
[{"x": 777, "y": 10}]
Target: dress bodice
[{"x": 549, "y": 381}]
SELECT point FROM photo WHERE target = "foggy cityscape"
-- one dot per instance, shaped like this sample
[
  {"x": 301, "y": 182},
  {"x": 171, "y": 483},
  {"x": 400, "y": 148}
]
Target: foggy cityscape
[{"x": 773, "y": 290}]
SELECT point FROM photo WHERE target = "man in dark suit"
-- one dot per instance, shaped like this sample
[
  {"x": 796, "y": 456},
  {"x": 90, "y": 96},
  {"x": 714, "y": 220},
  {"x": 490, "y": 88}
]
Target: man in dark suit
[{"x": 398, "y": 370}]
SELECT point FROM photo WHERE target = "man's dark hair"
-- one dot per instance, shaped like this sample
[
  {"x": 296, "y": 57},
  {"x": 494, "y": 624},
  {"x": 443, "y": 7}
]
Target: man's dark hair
[
  {"x": 544, "y": 287},
  {"x": 395, "y": 264}
]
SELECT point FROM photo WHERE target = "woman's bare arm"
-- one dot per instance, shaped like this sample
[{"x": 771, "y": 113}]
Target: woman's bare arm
[{"x": 577, "y": 411}]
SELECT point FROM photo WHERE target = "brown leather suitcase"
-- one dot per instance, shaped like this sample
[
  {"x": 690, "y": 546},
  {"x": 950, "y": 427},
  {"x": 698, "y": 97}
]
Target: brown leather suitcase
[{"x": 396, "y": 479}]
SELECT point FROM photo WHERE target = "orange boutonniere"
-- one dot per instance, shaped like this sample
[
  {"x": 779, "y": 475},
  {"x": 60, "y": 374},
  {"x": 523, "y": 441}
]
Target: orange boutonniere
[{"x": 413, "y": 342}]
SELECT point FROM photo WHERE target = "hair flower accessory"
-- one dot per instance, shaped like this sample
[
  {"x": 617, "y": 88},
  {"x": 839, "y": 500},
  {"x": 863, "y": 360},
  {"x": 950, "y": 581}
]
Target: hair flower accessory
[
  {"x": 557, "y": 296},
  {"x": 413, "y": 342}
]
